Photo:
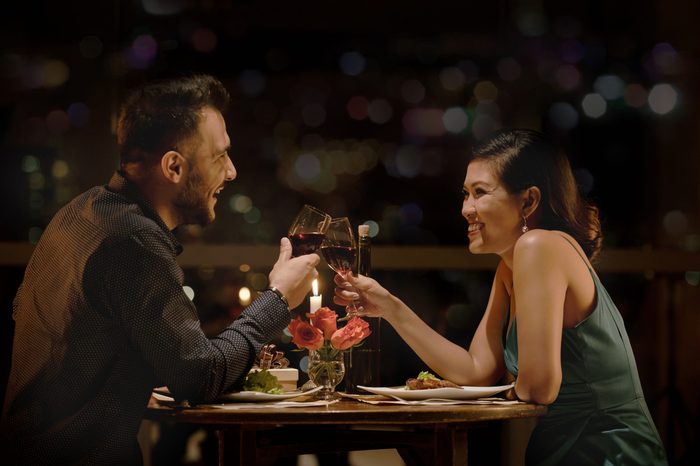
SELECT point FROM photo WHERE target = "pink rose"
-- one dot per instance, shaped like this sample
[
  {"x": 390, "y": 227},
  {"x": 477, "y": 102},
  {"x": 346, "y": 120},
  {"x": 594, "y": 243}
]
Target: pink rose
[
  {"x": 325, "y": 319},
  {"x": 305, "y": 335},
  {"x": 354, "y": 332}
]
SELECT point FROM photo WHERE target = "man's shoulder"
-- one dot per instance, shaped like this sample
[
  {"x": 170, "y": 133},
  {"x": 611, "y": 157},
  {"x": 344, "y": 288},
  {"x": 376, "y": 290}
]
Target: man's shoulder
[{"x": 113, "y": 212}]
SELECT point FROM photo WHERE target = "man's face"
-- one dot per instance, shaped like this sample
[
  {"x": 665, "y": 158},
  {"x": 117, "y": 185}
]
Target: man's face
[{"x": 207, "y": 169}]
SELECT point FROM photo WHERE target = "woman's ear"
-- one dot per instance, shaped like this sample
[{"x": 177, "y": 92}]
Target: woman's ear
[
  {"x": 531, "y": 200},
  {"x": 172, "y": 165}
]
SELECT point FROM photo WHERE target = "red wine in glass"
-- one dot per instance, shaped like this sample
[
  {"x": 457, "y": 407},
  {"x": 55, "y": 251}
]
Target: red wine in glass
[
  {"x": 308, "y": 230},
  {"x": 339, "y": 258},
  {"x": 305, "y": 243}
]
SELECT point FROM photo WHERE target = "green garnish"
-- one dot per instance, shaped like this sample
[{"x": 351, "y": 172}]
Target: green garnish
[
  {"x": 262, "y": 381},
  {"x": 425, "y": 375}
]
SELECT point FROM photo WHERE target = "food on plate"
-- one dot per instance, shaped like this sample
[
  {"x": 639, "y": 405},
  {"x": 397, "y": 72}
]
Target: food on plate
[
  {"x": 426, "y": 380},
  {"x": 262, "y": 381}
]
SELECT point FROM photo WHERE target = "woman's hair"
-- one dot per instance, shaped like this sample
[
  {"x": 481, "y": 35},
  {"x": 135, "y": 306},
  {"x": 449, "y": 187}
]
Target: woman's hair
[
  {"x": 524, "y": 158},
  {"x": 159, "y": 116}
]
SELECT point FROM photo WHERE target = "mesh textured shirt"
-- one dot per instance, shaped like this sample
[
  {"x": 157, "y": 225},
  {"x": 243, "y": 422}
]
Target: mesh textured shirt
[{"x": 101, "y": 318}]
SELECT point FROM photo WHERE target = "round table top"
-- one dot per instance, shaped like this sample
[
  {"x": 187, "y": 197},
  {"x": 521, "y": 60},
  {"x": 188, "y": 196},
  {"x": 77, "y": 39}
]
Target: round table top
[{"x": 345, "y": 411}]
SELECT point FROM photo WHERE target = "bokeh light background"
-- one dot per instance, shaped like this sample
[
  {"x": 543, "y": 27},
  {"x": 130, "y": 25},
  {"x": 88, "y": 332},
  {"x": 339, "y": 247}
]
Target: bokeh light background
[{"x": 369, "y": 109}]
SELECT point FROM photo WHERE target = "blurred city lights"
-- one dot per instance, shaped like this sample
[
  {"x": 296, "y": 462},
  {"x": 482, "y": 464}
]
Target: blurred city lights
[
  {"x": 59, "y": 169},
  {"x": 240, "y": 203},
  {"x": 675, "y": 223},
  {"x": 252, "y": 82},
  {"x": 373, "y": 228},
  {"x": 567, "y": 77},
  {"x": 455, "y": 120},
  {"x": 57, "y": 122},
  {"x": 425, "y": 122},
  {"x": 30, "y": 164},
  {"x": 532, "y": 24},
  {"x": 252, "y": 216},
  {"x": 664, "y": 56},
  {"x": 307, "y": 167},
  {"x": 189, "y": 292},
  {"x": 258, "y": 281},
  {"x": 352, "y": 63},
  {"x": 37, "y": 181},
  {"x": 485, "y": 91},
  {"x": 304, "y": 364},
  {"x": 566, "y": 27},
  {"x": 408, "y": 161},
  {"x": 204, "y": 40},
  {"x": 692, "y": 278},
  {"x": 244, "y": 268},
  {"x": 358, "y": 108},
  {"x": 163, "y": 7},
  {"x": 411, "y": 213},
  {"x": 55, "y": 73},
  {"x": 584, "y": 180},
  {"x": 314, "y": 115},
  {"x": 509, "y": 69},
  {"x": 413, "y": 91},
  {"x": 34, "y": 234},
  {"x": 380, "y": 111},
  {"x": 78, "y": 114},
  {"x": 142, "y": 52},
  {"x": 662, "y": 98},
  {"x": 563, "y": 115},
  {"x": 452, "y": 78},
  {"x": 611, "y": 87},
  {"x": 572, "y": 51},
  {"x": 635, "y": 95},
  {"x": 244, "y": 295},
  {"x": 483, "y": 125},
  {"x": 594, "y": 105},
  {"x": 90, "y": 47}
]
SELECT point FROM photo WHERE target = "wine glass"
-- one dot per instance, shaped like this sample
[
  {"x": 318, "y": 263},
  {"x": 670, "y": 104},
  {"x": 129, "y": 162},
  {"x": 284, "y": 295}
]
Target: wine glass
[
  {"x": 339, "y": 249},
  {"x": 308, "y": 230}
]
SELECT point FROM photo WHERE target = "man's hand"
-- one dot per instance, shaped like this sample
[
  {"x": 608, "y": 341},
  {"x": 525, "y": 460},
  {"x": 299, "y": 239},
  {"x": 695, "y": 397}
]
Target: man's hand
[{"x": 293, "y": 275}]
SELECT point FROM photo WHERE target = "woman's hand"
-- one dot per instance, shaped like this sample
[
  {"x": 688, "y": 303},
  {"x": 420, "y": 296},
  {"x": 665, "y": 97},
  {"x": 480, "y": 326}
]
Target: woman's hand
[{"x": 370, "y": 297}]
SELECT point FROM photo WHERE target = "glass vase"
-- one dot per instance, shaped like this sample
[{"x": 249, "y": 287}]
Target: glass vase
[{"x": 326, "y": 369}]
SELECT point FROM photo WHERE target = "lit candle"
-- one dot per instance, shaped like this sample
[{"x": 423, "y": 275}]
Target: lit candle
[{"x": 316, "y": 298}]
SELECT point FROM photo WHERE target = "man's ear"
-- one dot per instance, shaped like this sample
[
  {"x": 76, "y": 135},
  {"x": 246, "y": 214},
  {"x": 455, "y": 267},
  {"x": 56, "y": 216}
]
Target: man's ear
[
  {"x": 172, "y": 165},
  {"x": 531, "y": 200}
]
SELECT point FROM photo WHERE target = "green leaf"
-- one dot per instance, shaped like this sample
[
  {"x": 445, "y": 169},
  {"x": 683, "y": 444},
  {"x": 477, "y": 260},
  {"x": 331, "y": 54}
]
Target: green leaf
[{"x": 262, "y": 381}]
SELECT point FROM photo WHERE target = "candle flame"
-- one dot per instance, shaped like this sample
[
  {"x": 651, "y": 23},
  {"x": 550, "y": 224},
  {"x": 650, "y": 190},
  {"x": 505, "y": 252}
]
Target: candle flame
[{"x": 314, "y": 287}]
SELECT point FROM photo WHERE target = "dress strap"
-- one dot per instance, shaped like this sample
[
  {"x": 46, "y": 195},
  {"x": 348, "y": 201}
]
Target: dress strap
[{"x": 583, "y": 257}]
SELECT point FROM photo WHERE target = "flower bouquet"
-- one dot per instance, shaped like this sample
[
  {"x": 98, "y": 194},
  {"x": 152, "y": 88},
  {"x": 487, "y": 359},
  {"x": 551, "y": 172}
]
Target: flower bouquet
[{"x": 326, "y": 344}]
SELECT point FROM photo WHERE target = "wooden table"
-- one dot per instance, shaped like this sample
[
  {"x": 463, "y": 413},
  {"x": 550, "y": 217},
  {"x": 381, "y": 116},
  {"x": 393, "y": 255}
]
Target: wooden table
[{"x": 423, "y": 435}]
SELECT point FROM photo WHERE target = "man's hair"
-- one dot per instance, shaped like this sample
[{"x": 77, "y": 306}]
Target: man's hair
[{"x": 160, "y": 116}]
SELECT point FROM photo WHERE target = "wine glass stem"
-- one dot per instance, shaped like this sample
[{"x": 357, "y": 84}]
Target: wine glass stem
[{"x": 351, "y": 309}]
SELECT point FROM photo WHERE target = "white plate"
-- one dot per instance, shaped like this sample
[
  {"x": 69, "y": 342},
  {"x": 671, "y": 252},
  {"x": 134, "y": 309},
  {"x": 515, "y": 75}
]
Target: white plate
[
  {"x": 260, "y": 396},
  {"x": 463, "y": 393}
]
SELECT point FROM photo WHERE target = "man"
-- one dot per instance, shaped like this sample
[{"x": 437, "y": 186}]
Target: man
[{"x": 101, "y": 316}]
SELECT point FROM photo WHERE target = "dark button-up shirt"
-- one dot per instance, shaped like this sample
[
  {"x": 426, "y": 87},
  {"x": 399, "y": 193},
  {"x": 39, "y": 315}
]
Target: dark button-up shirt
[{"x": 101, "y": 318}]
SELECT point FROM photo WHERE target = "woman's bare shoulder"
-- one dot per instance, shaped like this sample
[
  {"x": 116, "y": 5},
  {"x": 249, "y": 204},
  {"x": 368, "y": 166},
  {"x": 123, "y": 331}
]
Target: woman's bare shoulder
[{"x": 541, "y": 246}]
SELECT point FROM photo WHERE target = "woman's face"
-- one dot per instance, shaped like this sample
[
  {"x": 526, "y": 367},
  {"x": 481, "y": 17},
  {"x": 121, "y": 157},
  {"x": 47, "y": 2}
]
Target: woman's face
[{"x": 494, "y": 215}]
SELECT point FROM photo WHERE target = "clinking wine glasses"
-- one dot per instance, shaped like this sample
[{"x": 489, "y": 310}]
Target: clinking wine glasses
[
  {"x": 308, "y": 230},
  {"x": 339, "y": 249}
]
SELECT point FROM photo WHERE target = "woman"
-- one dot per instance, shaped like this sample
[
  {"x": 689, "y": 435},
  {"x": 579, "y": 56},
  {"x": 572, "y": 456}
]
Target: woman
[{"x": 549, "y": 321}]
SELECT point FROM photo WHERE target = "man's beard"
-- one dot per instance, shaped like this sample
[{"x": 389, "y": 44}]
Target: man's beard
[{"x": 191, "y": 202}]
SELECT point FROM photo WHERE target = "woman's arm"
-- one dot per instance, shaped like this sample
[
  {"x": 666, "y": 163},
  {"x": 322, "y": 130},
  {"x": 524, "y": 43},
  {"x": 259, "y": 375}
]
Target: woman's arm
[
  {"x": 481, "y": 365},
  {"x": 540, "y": 285}
]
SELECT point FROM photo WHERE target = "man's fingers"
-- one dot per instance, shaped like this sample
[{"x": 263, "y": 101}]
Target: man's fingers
[{"x": 285, "y": 250}]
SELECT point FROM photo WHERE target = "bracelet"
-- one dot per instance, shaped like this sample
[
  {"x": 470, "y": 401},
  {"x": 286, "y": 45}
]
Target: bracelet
[{"x": 279, "y": 295}]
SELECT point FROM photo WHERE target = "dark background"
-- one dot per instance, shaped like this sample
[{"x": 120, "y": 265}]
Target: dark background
[{"x": 302, "y": 75}]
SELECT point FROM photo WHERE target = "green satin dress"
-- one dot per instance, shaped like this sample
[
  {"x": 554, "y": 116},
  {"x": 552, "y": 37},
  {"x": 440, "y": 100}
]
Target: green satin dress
[{"x": 600, "y": 416}]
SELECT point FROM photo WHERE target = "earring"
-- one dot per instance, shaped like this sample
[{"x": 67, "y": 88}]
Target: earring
[{"x": 524, "y": 229}]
